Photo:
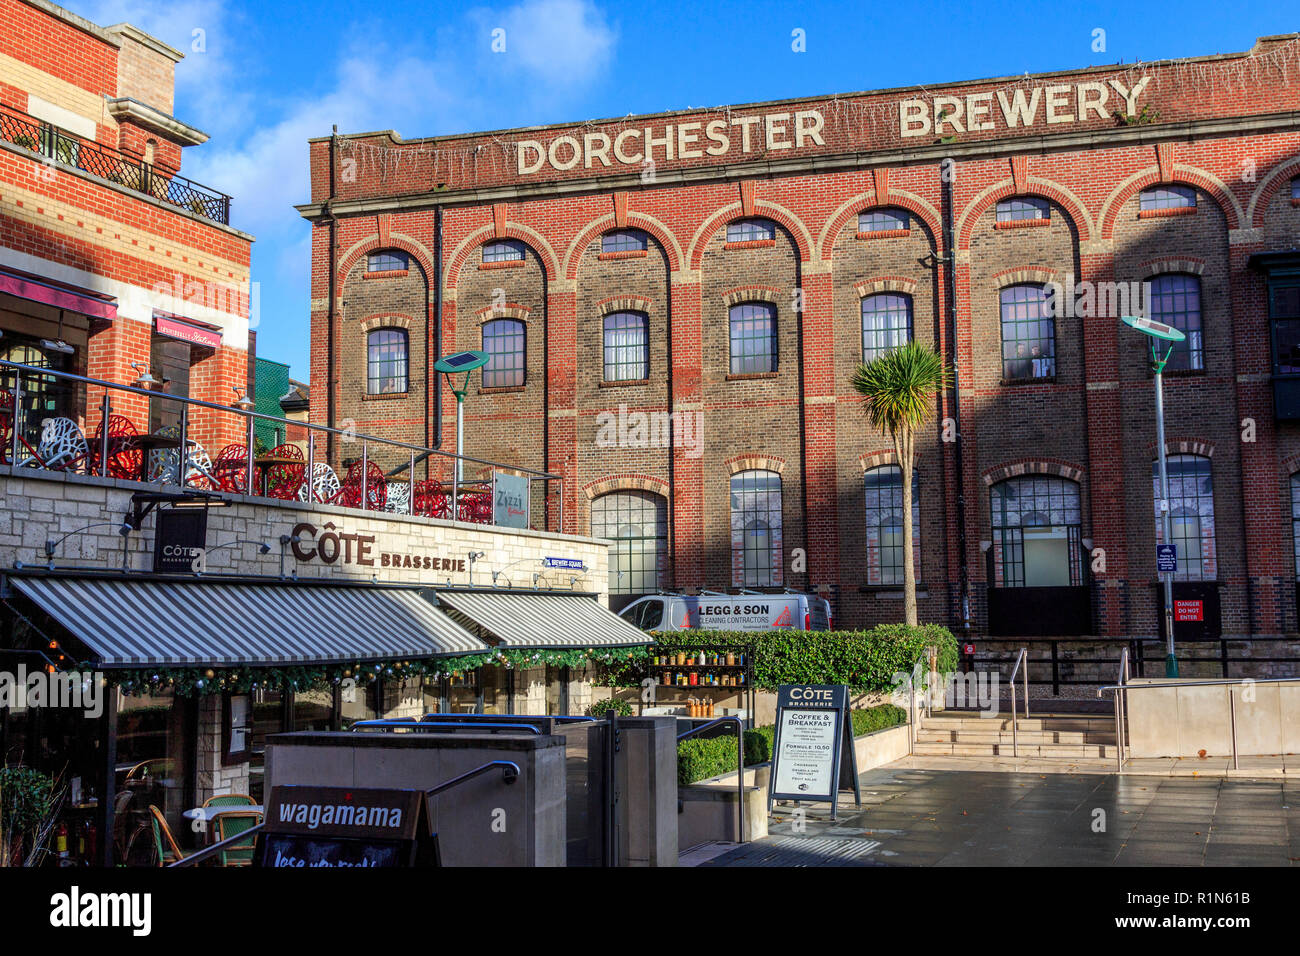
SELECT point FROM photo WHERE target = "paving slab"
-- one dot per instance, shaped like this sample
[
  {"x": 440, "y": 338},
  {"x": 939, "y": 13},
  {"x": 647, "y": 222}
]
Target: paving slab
[{"x": 914, "y": 816}]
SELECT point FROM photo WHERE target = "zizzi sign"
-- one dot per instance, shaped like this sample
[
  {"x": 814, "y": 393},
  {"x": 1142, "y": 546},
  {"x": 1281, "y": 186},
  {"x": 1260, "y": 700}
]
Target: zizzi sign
[
  {"x": 330, "y": 545},
  {"x": 639, "y": 146}
]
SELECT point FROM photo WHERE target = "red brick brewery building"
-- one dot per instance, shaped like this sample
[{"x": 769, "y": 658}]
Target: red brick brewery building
[{"x": 674, "y": 305}]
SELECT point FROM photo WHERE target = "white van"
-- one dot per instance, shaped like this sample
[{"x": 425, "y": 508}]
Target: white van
[{"x": 729, "y": 612}]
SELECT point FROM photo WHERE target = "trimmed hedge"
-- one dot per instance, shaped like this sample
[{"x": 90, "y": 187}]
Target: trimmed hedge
[
  {"x": 700, "y": 759},
  {"x": 601, "y": 707},
  {"x": 862, "y": 660}
]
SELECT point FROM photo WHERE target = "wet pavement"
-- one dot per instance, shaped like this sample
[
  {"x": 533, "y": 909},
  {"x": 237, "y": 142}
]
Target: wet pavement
[{"x": 912, "y": 817}]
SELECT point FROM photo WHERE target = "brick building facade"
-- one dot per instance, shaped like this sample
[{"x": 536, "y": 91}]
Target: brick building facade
[
  {"x": 675, "y": 305},
  {"x": 108, "y": 255}
]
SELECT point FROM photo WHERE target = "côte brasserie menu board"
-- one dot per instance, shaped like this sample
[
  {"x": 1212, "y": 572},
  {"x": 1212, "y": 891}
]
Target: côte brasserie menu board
[{"x": 812, "y": 753}]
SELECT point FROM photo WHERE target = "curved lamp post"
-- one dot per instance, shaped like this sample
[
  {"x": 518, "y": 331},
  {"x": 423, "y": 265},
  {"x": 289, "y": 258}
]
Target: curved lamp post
[
  {"x": 450, "y": 365},
  {"x": 1161, "y": 334}
]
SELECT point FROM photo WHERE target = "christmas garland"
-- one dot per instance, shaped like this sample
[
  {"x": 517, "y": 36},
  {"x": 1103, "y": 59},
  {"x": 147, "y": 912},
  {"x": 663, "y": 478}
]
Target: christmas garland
[{"x": 203, "y": 681}]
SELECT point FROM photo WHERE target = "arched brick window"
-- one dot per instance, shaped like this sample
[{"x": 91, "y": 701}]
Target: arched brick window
[
  {"x": 1176, "y": 301},
  {"x": 504, "y": 340},
  {"x": 1037, "y": 527},
  {"x": 386, "y": 362},
  {"x": 756, "y": 529},
  {"x": 753, "y": 338},
  {"x": 884, "y": 527},
  {"x": 1028, "y": 334},
  {"x": 1191, "y": 515},
  {"x": 886, "y": 323},
  {"x": 637, "y": 523},
  {"x": 627, "y": 346}
]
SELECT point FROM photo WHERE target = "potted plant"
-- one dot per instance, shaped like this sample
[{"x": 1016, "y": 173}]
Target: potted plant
[{"x": 30, "y": 802}]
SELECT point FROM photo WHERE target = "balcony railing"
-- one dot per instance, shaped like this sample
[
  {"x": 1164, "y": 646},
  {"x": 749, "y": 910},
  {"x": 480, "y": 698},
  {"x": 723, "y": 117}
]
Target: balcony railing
[
  {"x": 58, "y": 421},
  {"x": 68, "y": 149}
]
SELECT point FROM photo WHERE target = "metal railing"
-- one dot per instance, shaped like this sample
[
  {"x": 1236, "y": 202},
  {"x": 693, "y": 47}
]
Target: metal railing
[
  {"x": 1020, "y": 659},
  {"x": 1122, "y": 689},
  {"x": 1120, "y": 710},
  {"x": 68, "y": 149},
  {"x": 234, "y": 470}
]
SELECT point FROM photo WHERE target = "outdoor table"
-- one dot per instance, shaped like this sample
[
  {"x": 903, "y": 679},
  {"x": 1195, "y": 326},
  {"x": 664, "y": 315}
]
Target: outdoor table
[
  {"x": 209, "y": 816},
  {"x": 264, "y": 464},
  {"x": 148, "y": 443}
]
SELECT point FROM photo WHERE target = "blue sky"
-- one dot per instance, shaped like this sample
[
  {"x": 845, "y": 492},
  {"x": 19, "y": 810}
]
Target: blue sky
[{"x": 269, "y": 76}]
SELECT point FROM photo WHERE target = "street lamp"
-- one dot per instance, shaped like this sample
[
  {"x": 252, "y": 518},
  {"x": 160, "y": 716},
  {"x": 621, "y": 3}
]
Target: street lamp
[
  {"x": 1159, "y": 332},
  {"x": 450, "y": 365}
]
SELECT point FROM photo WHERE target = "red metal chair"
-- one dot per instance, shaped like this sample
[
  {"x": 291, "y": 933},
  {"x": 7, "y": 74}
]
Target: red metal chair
[
  {"x": 475, "y": 505},
  {"x": 376, "y": 491},
  {"x": 284, "y": 480},
  {"x": 230, "y": 470},
  {"x": 125, "y": 459},
  {"x": 429, "y": 499}
]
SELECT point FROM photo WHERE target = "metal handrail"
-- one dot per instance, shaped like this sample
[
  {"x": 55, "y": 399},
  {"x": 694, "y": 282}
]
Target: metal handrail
[
  {"x": 1022, "y": 657},
  {"x": 740, "y": 765},
  {"x": 413, "y": 724},
  {"x": 216, "y": 848},
  {"x": 510, "y": 773},
  {"x": 1120, "y": 710},
  {"x": 1120, "y": 689},
  {"x": 251, "y": 417}
]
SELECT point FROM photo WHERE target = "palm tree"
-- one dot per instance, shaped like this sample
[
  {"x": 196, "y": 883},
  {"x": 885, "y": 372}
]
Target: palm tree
[{"x": 898, "y": 389}]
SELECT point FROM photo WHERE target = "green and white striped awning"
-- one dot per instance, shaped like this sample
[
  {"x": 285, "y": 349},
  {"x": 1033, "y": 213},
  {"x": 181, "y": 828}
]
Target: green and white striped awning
[
  {"x": 529, "y": 620},
  {"x": 129, "y": 623}
]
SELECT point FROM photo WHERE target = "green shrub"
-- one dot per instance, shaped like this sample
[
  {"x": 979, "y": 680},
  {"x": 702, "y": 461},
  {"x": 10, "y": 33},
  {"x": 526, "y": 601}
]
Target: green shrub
[
  {"x": 700, "y": 759},
  {"x": 601, "y": 707},
  {"x": 862, "y": 660}
]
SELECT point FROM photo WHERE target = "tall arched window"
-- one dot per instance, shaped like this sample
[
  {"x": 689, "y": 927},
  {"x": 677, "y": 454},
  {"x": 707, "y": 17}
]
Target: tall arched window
[
  {"x": 1037, "y": 526},
  {"x": 504, "y": 342},
  {"x": 884, "y": 529},
  {"x": 1176, "y": 300},
  {"x": 753, "y": 338},
  {"x": 1028, "y": 334},
  {"x": 637, "y": 524},
  {"x": 1191, "y": 515},
  {"x": 627, "y": 347},
  {"x": 886, "y": 323},
  {"x": 756, "y": 529},
  {"x": 386, "y": 362}
]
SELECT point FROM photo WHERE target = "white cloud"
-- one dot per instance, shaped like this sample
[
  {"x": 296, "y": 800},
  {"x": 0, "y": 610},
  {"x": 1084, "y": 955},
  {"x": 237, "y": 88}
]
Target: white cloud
[{"x": 560, "y": 43}]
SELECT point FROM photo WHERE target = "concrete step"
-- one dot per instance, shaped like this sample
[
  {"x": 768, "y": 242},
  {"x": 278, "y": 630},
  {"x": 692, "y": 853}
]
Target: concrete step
[
  {"x": 1003, "y": 722},
  {"x": 1058, "y": 751},
  {"x": 1033, "y": 737}
]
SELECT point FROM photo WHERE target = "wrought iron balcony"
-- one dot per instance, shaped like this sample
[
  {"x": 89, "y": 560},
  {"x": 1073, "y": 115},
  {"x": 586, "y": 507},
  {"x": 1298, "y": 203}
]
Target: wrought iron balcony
[{"x": 68, "y": 149}]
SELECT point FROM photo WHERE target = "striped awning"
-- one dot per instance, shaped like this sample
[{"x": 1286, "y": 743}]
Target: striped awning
[
  {"x": 526, "y": 620},
  {"x": 158, "y": 623}
]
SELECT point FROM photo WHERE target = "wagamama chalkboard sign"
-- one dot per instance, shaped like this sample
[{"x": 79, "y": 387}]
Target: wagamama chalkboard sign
[
  {"x": 347, "y": 827},
  {"x": 812, "y": 753}
]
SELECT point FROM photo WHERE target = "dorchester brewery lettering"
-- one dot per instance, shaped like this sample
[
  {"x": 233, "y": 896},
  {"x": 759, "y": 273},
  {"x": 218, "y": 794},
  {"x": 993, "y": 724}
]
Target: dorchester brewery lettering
[
  {"x": 1013, "y": 109},
  {"x": 692, "y": 140},
  {"x": 330, "y": 545}
]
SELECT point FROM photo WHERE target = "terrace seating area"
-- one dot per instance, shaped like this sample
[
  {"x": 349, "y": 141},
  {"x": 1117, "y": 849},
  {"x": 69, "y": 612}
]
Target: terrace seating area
[{"x": 118, "y": 447}]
